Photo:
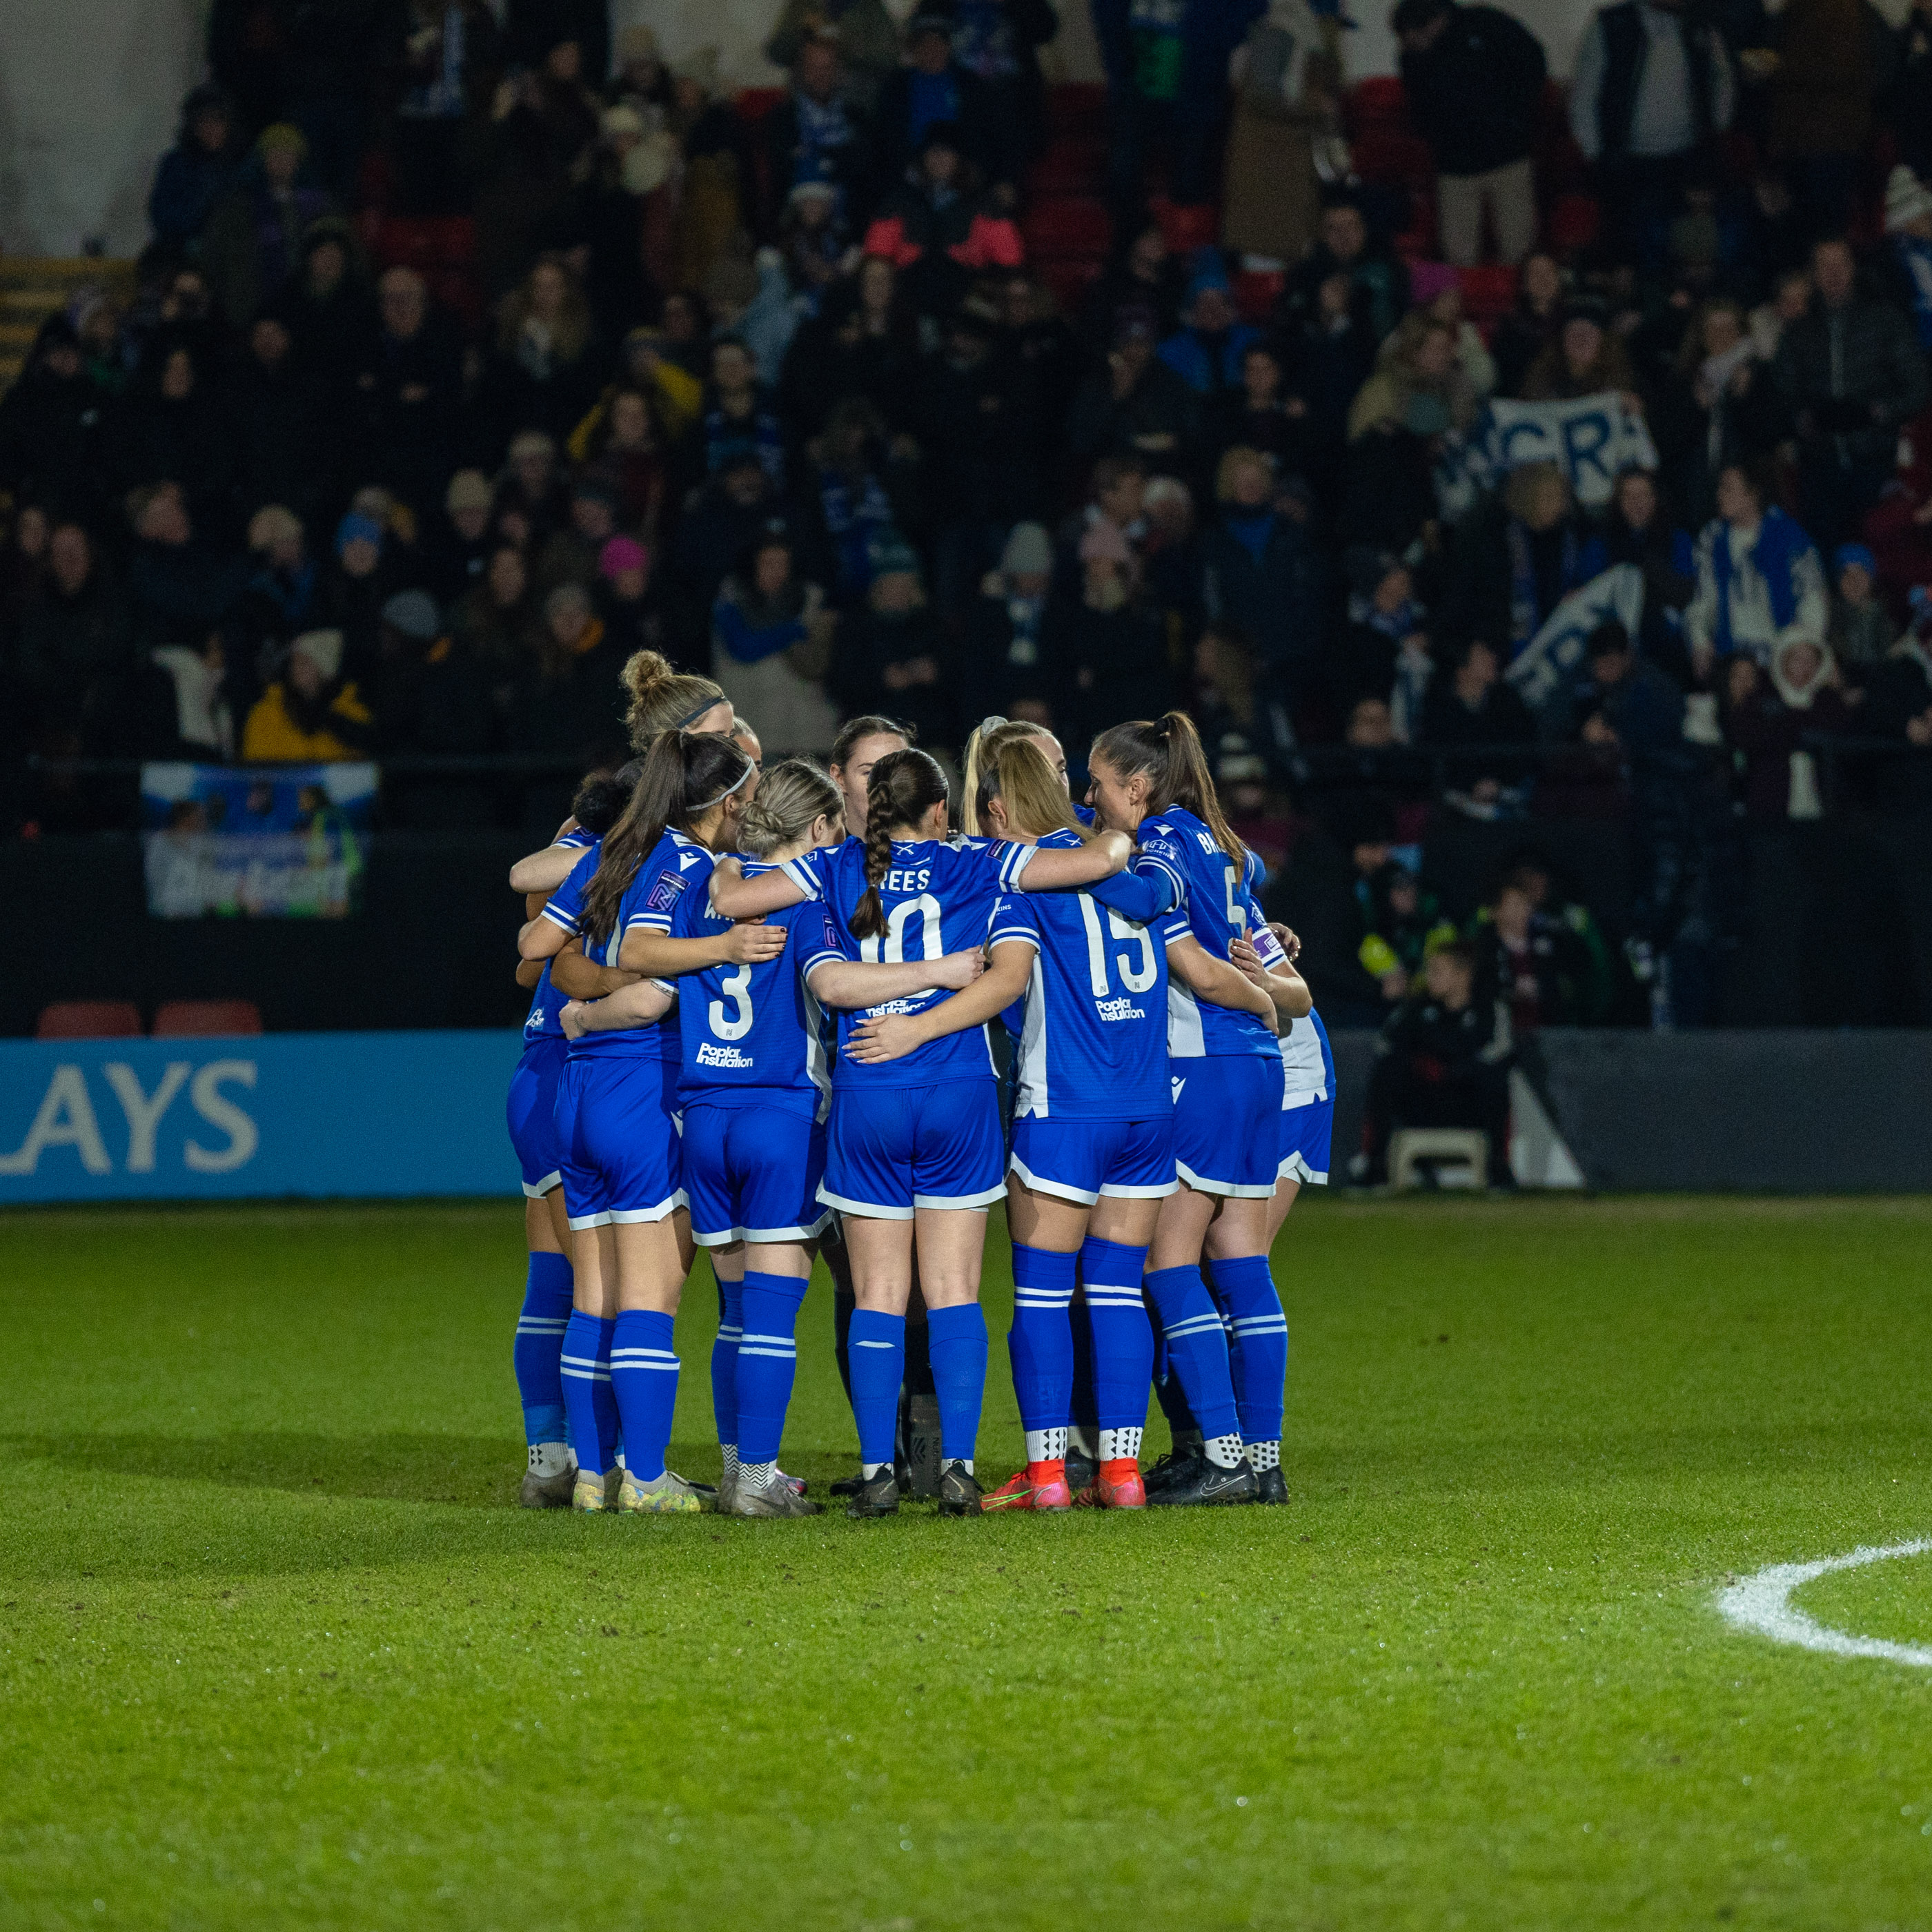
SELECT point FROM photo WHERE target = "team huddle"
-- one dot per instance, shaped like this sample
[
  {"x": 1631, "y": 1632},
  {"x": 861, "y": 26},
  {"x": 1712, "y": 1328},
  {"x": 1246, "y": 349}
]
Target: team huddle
[{"x": 763, "y": 1025}]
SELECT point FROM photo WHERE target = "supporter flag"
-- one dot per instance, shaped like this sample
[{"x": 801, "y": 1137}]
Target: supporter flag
[
  {"x": 1550, "y": 658},
  {"x": 282, "y": 841},
  {"x": 1593, "y": 439}
]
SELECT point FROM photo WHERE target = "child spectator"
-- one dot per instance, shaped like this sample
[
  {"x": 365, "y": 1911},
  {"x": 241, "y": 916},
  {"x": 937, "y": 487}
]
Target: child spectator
[
  {"x": 1767, "y": 713},
  {"x": 1861, "y": 630}
]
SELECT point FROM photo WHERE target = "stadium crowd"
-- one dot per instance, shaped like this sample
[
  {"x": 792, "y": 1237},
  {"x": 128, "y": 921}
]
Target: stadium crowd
[{"x": 812, "y": 394}]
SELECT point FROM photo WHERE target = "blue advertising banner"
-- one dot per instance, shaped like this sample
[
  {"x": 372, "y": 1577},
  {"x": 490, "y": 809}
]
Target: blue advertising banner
[{"x": 353, "y": 1114}]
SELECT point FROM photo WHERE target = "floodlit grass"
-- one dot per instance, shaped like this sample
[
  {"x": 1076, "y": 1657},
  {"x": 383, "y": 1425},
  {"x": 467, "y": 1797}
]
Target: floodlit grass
[{"x": 275, "y": 1649}]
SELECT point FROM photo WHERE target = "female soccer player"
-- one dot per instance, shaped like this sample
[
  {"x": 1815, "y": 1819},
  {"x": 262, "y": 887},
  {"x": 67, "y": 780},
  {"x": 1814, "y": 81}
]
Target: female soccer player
[
  {"x": 630, "y": 1233},
  {"x": 1151, "y": 777},
  {"x": 1093, "y": 1125},
  {"x": 551, "y": 1474},
  {"x": 914, "y": 1153},
  {"x": 754, "y": 1089},
  {"x": 665, "y": 699}
]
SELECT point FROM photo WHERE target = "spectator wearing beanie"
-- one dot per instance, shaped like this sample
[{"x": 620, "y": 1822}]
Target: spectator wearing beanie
[
  {"x": 1206, "y": 352},
  {"x": 284, "y": 593},
  {"x": 311, "y": 714},
  {"x": 1454, "y": 57},
  {"x": 631, "y": 617},
  {"x": 457, "y": 553},
  {"x": 1653, "y": 85}
]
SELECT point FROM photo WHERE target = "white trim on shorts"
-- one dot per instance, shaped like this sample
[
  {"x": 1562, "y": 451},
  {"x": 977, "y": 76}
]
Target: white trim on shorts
[
  {"x": 1295, "y": 1167},
  {"x": 553, "y": 1179},
  {"x": 764, "y": 1234},
  {"x": 662, "y": 1211},
  {"x": 1110, "y": 1191},
  {"x": 868, "y": 1211},
  {"x": 1233, "y": 1190},
  {"x": 579, "y": 1223}
]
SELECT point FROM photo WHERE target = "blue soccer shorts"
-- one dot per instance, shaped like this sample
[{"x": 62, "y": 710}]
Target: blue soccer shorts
[
  {"x": 752, "y": 1175},
  {"x": 1227, "y": 1128},
  {"x": 1306, "y": 1132},
  {"x": 1081, "y": 1160},
  {"x": 892, "y": 1149},
  {"x": 621, "y": 1162},
  {"x": 531, "y": 1111}
]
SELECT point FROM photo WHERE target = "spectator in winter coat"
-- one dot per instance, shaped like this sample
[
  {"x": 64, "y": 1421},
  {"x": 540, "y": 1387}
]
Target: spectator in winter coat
[
  {"x": 1767, "y": 709},
  {"x": 1006, "y": 627},
  {"x": 1862, "y": 631},
  {"x": 457, "y": 549},
  {"x": 1538, "y": 969},
  {"x": 1522, "y": 335},
  {"x": 311, "y": 714},
  {"x": 1418, "y": 385},
  {"x": 1452, "y": 56},
  {"x": 1377, "y": 277},
  {"x": 771, "y": 642},
  {"x": 283, "y": 597},
  {"x": 1654, "y": 84},
  {"x": 1851, "y": 374},
  {"x": 1206, "y": 353},
  {"x": 1516, "y": 559},
  {"x": 50, "y": 421},
  {"x": 1134, "y": 403},
  {"x": 1106, "y": 645},
  {"x": 893, "y": 657},
  {"x": 1721, "y": 407},
  {"x": 197, "y": 172},
  {"x": 1260, "y": 573},
  {"x": 183, "y": 586},
  {"x": 411, "y": 390},
  {"x": 817, "y": 132},
  {"x": 75, "y": 632},
  {"x": 428, "y": 700},
  {"x": 1758, "y": 573},
  {"x": 252, "y": 242},
  {"x": 937, "y": 228},
  {"x": 281, "y": 424},
  {"x": 865, "y": 34},
  {"x": 931, "y": 89}
]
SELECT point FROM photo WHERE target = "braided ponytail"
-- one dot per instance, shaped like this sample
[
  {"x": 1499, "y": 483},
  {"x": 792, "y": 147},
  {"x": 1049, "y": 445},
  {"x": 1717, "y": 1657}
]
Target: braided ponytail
[{"x": 904, "y": 786}]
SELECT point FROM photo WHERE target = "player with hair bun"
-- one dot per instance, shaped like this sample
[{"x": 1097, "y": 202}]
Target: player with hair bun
[
  {"x": 1151, "y": 777},
  {"x": 630, "y": 1233},
  {"x": 663, "y": 698},
  {"x": 914, "y": 1153}
]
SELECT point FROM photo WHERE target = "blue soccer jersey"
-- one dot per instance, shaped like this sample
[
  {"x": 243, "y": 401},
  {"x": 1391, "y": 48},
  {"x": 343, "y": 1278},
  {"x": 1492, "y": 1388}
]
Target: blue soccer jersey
[
  {"x": 673, "y": 866},
  {"x": 1093, "y": 1043},
  {"x": 753, "y": 1035},
  {"x": 1213, "y": 893},
  {"x": 549, "y": 1001},
  {"x": 938, "y": 898}
]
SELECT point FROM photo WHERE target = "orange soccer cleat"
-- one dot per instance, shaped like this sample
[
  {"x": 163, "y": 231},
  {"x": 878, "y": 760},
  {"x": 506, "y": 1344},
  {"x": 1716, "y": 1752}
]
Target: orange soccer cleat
[
  {"x": 1117, "y": 1486},
  {"x": 1039, "y": 1486}
]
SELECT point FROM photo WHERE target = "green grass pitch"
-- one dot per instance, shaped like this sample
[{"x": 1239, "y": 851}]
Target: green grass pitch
[{"x": 275, "y": 1649}]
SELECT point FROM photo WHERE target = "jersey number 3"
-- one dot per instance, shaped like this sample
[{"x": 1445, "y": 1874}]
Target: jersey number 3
[{"x": 736, "y": 987}]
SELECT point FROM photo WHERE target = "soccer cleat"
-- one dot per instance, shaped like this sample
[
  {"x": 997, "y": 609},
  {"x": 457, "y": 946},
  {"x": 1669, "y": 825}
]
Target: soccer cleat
[
  {"x": 557, "y": 1492},
  {"x": 1020, "y": 1491},
  {"x": 1270, "y": 1486},
  {"x": 667, "y": 1495},
  {"x": 959, "y": 1491},
  {"x": 727, "y": 1487},
  {"x": 876, "y": 1495},
  {"x": 797, "y": 1485},
  {"x": 847, "y": 1486},
  {"x": 1207, "y": 1482},
  {"x": 1178, "y": 1465},
  {"x": 1080, "y": 1470},
  {"x": 777, "y": 1497},
  {"x": 591, "y": 1492},
  {"x": 1127, "y": 1491}
]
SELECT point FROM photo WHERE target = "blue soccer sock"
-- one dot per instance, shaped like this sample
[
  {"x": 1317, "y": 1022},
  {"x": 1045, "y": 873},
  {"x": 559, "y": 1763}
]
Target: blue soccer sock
[
  {"x": 767, "y": 1360},
  {"x": 1258, "y": 1357},
  {"x": 587, "y": 1397},
  {"x": 539, "y": 1354},
  {"x": 1116, "y": 1317},
  {"x": 1040, "y": 1344},
  {"x": 643, "y": 1377},
  {"x": 725, "y": 1364},
  {"x": 957, "y": 1337},
  {"x": 1197, "y": 1349},
  {"x": 876, "y": 1343}
]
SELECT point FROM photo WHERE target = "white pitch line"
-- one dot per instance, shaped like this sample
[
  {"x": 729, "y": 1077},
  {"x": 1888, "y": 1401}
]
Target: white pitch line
[{"x": 1762, "y": 1603}]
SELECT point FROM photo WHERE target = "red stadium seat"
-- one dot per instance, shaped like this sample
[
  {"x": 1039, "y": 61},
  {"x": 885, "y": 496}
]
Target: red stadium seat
[
  {"x": 1187, "y": 229},
  {"x": 1068, "y": 225},
  {"x": 1256, "y": 292},
  {"x": 1378, "y": 102},
  {"x": 1488, "y": 292},
  {"x": 191, "y": 1019},
  {"x": 1390, "y": 158},
  {"x": 753, "y": 103},
  {"x": 89, "y": 1019}
]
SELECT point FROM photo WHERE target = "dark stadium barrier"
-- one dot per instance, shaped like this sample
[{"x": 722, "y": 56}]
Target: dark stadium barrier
[{"x": 1763, "y": 1112}]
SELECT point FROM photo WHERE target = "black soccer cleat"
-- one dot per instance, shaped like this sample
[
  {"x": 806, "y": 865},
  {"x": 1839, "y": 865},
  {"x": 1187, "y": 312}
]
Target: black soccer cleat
[
  {"x": 877, "y": 1496},
  {"x": 1082, "y": 1471},
  {"x": 846, "y": 1486},
  {"x": 1270, "y": 1486},
  {"x": 1206, "y": 1482},
  {"x": 959, "y": 1491},
  {"x": 1178, "y": 1465}
]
